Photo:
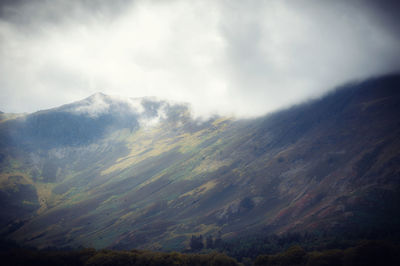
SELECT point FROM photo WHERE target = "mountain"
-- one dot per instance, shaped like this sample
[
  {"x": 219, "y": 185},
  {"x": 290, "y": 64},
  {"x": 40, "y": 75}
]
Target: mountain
[{"x": 142, "y": 173}]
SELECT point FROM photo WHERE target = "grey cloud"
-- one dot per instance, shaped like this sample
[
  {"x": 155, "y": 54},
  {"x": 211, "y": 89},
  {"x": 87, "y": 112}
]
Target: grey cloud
[
  {"x": 236, "y": 57},
  {"x": 387, "y": 10},
  {"x": 288, "y": 51},
  {"x": 31, "y": 15}
]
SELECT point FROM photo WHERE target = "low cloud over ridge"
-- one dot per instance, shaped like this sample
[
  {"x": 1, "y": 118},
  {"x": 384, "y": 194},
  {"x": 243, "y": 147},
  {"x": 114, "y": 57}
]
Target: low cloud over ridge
[{"x": 241, "y": 58}]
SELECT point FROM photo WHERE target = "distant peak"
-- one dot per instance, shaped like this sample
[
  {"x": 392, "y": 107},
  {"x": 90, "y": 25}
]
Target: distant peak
[{"x": 98, "y": 95}]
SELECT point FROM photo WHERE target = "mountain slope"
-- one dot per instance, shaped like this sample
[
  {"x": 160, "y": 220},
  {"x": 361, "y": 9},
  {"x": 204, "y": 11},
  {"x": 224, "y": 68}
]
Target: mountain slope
[{"x": 145, "y": 174}]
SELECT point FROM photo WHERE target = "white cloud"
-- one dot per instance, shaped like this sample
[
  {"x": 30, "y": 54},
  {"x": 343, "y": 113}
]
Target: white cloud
[
  {"x": 93, "y": 106},
  {"x": 229, "y": 57}
]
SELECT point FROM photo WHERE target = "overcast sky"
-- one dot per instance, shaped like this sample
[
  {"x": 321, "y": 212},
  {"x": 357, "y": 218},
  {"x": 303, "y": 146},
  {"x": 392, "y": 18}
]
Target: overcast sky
[{"x": 236, "y": 57}]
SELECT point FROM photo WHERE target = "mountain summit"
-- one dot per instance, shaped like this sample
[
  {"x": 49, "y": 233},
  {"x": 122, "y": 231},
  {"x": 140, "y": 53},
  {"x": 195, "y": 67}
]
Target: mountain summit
[
  {"x": 88, "y": 120},
  {"x": 141, "y": 173}
]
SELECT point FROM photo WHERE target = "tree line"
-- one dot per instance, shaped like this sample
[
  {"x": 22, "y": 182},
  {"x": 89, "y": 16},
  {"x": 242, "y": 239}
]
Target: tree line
[
  {"x": 251, "y": 246},
  {"x": 92, "y": 257},
  {"x": 365, "y": 253}
]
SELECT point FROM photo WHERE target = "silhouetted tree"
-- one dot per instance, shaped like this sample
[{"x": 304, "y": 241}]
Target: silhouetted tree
[
  {"x": 209, "y": 242},
  {"x": 218, "y": 241},
  {"x": 196, "y": 242}
]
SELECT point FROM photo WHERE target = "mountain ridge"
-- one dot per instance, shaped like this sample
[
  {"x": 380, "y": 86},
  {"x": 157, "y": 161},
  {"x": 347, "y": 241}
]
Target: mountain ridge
[{"x": 331, "y": 164}]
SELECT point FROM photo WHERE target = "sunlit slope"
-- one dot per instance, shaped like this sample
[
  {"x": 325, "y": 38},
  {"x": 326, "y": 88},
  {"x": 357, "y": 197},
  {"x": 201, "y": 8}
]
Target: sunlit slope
[
  {"x": 92, "y": 180},
  {"x": 330, "y": 165}
]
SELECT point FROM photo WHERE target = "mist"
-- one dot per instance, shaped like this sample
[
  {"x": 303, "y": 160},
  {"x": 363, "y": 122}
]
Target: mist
[{"x": 236, "y": 58}]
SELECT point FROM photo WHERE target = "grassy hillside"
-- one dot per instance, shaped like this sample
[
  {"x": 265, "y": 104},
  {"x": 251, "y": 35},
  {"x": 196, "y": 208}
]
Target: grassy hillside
[{"x": 331, "y": 164}]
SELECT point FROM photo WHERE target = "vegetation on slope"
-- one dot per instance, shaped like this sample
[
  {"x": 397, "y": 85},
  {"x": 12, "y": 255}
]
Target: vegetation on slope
[
  {"x": 92, "y": 257},
  {"x": 328, "y": 165},
  {"x": 365, "y": 253}
]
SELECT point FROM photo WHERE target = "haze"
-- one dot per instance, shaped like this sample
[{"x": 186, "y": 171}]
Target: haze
[{"x": 242, "y": 58}]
